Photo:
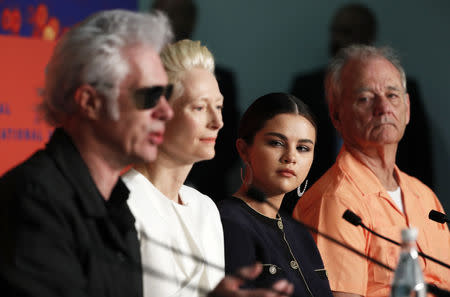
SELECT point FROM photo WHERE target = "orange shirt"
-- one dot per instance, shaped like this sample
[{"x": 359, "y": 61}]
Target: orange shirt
[{"x": 349, "y": 184}]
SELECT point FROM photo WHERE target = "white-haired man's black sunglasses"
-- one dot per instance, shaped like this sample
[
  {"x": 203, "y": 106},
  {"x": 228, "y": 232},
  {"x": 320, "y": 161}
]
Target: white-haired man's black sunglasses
[{"x": 146, "y": 98}]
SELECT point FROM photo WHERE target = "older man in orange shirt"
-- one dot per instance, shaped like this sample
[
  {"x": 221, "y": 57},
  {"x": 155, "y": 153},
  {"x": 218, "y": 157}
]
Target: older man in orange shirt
[{"x": 369, "y": 106}]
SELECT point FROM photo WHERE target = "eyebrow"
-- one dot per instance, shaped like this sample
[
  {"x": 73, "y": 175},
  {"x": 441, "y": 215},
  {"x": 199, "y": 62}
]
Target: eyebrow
[
  {"x": 392, "y": 88},
  {"x": 205, "y": 98},
  {"x": 279, "y": 135},
  {"x": 365, "y": 89}
]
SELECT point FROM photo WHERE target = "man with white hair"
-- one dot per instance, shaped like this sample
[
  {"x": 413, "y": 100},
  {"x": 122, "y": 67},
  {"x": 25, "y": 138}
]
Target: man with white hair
[
  {"x": 66, "y": 228},
  {"x": 369, "y": 106}
]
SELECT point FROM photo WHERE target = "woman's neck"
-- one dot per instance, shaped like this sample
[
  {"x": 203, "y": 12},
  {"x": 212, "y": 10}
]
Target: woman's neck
[
  {"x": 269, "y": 209},
  {"x": 166, "y": 176}
]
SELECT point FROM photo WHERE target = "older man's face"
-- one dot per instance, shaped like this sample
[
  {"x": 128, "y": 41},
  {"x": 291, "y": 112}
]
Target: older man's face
[
  {"x": 135, "y": 137},
  {"x": 374, "y": 107}
]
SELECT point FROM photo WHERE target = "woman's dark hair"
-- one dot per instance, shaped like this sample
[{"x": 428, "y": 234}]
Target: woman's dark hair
[{"x": 267, "y": 107}]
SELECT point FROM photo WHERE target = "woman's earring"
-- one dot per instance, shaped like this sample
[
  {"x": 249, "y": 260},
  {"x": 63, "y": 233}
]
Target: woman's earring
[
  {"x": 299, "y": 192},
  {"x": 247, "y": 179}
]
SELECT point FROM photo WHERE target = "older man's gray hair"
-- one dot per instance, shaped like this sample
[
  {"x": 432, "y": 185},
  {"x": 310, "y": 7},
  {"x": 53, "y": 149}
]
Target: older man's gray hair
[
  {"x": 333, "y": 83},
  {"x": 92, "y": 53}
]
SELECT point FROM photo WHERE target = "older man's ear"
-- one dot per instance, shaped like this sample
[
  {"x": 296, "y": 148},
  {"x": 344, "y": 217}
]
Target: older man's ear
[
  {"x": 88, "y": 102},
  {"x": 335, "y": 118}
]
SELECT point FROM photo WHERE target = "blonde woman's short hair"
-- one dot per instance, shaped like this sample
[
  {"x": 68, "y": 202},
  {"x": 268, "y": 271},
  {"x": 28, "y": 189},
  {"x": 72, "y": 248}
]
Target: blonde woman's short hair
[{"x": 183, "y": 56}]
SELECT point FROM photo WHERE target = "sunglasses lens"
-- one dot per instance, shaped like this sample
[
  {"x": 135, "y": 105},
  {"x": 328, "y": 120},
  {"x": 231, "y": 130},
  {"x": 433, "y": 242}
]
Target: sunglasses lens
[{"x": 147, "y": 98}]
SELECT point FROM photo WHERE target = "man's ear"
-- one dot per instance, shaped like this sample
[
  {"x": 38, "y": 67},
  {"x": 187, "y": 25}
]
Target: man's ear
[
  {"x": 241, "y": 147},
  {"x": 335, "y": 119},
  {"x": 88, "y": 101}
]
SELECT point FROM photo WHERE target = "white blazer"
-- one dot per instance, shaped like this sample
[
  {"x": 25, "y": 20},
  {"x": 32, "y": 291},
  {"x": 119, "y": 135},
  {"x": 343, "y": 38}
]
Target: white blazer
[{"x": 182, "y": 249}]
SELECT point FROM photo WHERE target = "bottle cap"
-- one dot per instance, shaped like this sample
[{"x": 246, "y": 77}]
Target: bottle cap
[{"x": 409, "y": 234}]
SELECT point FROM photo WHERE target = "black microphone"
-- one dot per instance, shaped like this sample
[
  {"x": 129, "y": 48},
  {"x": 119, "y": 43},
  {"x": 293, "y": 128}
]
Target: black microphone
[
  {"x": 353, "y": 218},
  {"x": 438, "y": 216},
  {"x": 356, "y": 220}
]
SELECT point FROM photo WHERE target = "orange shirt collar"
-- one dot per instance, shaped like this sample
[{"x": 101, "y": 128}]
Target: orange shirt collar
[{"x": 362, "y": 177}]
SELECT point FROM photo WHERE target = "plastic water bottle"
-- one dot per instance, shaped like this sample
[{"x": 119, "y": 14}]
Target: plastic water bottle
[{"x": 408, "y": 278}]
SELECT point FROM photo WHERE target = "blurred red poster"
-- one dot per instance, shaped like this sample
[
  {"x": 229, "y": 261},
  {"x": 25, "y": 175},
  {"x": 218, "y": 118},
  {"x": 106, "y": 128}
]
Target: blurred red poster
[{"x": 23, "y": 63}]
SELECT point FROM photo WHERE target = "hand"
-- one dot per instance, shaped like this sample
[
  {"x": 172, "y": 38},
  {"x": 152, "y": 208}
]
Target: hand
[{"x": 229, "y": 286}]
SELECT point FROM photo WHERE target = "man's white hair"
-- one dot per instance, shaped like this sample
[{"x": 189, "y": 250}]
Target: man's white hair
[
  {"x": 92, "y": 53},
  {"x": 333, "y": 83}
]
